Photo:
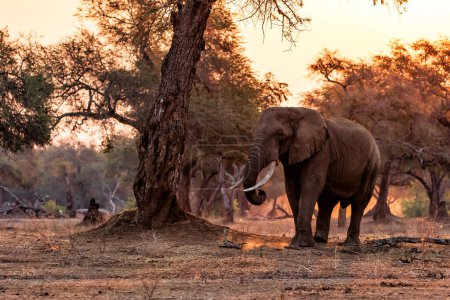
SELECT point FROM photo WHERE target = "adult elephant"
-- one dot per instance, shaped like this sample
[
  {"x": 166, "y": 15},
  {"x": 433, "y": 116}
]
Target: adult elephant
[{"x": 327, "y": 161}]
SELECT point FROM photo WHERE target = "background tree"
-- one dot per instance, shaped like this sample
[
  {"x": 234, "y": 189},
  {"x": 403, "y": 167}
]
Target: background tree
[
  {"x": 24, "y": 95},
  {"x": 399, "y": 98},
  {"x": 52, "y": 172}
]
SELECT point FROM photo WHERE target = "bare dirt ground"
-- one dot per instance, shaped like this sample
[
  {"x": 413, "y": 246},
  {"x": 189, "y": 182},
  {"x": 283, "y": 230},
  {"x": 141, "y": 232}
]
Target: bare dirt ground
[{"x": 55, "y": 259}]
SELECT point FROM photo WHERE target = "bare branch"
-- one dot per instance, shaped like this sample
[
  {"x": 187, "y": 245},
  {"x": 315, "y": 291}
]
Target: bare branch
[
  {"x": 421, "y": 180},
  {"x": 98, "y": 116}
]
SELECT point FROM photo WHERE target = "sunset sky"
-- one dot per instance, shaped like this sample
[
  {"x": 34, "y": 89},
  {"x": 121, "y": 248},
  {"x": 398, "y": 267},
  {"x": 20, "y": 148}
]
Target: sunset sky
[{"x": 354, "y": 27}]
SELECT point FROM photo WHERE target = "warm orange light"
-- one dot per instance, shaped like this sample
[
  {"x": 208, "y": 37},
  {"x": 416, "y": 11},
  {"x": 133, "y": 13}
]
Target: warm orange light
[{"x": 354, "y": 27}]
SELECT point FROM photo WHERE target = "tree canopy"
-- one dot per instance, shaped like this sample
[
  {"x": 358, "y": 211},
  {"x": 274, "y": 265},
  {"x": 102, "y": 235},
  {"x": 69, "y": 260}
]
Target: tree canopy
[{"x": 24, "y": 95}]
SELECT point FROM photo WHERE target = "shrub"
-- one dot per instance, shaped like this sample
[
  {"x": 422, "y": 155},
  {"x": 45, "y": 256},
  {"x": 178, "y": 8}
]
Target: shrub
[
  {"x": 52, "y": 207},
  {"x": 415, "y": 206},
  {"x": 131, "y": 202}
]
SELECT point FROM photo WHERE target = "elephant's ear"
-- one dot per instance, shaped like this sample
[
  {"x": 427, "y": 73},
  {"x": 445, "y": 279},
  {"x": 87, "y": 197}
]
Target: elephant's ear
[{"x": 310, "y": 133}]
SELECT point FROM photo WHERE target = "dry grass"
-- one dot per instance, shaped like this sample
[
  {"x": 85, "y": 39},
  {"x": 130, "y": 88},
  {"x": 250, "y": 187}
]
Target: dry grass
[{"x": 56, "y": 259}]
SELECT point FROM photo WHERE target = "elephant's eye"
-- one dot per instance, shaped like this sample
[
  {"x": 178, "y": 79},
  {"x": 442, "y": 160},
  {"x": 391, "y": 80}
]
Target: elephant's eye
[{"x": 279, "y": 132}]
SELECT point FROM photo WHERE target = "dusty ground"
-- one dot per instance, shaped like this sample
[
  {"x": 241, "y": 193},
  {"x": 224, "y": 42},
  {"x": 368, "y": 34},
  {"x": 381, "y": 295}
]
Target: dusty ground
[{"x": 55, "y": 259}]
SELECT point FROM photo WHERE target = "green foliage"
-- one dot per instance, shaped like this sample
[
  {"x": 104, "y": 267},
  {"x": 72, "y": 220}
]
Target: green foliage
[
  {"x": 416, "y": 206},
  {"x": 235, "y": 204},
  {"x": 131, "y": 202},
  {"x": 54, "y": 208},
  {"x": 24, "y": 95}
]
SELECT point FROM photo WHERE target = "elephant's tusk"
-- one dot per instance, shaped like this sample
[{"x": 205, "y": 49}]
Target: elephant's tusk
[
  {"x": 264, "y": 180},
  {"x": 237, "y": 183}
]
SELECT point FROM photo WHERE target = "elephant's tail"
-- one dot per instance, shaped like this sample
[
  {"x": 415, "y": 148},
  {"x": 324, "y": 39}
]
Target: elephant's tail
[{"x": 374, "y": 168}]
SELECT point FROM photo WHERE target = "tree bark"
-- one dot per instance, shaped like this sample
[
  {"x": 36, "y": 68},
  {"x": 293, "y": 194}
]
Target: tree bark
[
  {"x": 342, "y": 217},
  {"x": 381, "y": 209},
  {"x": 162, "y": 141}
]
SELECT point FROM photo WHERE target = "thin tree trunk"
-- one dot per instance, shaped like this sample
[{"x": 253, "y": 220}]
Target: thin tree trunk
[
  {"x": 273, "y": 212},
  {"x": 69, "y": 200},
  {"x": 342, "y": 217},
  {"x": 437, "y": 208},
  {"x": 243, "y": 203},
  {"x": 201, "y": 196},
  {"x": 229, "y": 196},
  {"x": 206, "y": 195},
  {"x": 162, "y": 141},
  {"x": 185, "y": 186},
  {"x": 381, "y": 209}
]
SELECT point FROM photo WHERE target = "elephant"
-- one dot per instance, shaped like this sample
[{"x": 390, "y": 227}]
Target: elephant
[{"x": 328, "y": 161}]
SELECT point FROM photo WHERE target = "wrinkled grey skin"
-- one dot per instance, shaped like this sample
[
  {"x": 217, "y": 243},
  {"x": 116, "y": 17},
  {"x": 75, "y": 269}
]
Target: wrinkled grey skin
[{"x": 327, "y": 161}]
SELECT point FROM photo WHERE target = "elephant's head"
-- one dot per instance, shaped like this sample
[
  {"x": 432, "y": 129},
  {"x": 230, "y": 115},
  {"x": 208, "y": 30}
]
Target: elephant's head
[{"x": 289, "y": 134}]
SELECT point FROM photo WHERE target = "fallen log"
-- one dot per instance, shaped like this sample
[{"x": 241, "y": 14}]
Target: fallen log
[
  {"x": 405, "y": 239},
  {"x": 5, "y": 210}
]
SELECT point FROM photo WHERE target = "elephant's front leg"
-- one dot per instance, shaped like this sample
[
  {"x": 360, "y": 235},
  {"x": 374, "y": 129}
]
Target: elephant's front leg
[
  {"x": 312, "y": 181},
  {"x": 293, "y": 194},
  {"x": 307, "y": 202}
]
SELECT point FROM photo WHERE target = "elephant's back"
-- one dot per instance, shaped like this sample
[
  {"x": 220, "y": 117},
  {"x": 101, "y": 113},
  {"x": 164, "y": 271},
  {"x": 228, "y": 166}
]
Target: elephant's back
[{"x": 350, "y": 134}]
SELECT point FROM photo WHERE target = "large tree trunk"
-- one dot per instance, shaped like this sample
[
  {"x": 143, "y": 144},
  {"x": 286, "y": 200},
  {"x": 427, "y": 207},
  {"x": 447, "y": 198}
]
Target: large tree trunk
[
  {"x": 162, "y": 141},
  {"x": 381, "y": 209}
]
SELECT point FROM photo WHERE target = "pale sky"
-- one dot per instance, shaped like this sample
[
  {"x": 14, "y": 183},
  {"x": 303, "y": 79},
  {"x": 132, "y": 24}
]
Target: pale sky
[{"x": 354, "y": 27}]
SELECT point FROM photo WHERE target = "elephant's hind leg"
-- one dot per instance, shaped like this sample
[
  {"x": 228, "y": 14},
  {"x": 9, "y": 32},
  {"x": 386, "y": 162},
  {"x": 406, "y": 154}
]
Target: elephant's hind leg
[
  {"x": 359, "y": 204},
  {"x": 355, "y": 223},
  {"x": 327, "y": 201}
]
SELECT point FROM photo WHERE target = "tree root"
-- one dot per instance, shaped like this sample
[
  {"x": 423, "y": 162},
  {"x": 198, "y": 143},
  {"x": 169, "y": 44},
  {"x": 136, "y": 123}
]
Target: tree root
[{"x": 404, "y": 239}]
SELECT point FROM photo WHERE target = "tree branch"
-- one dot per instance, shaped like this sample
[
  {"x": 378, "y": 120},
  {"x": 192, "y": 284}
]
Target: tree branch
[
  {"x": 18, "y": 201},
  {"x": 98, "y": 116},
  {"x": 421, "y": 180}
]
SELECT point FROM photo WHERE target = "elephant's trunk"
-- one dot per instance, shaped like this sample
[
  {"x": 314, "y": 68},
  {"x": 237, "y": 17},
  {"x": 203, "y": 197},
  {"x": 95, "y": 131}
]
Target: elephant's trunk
[{"x": 254, "y": 165}]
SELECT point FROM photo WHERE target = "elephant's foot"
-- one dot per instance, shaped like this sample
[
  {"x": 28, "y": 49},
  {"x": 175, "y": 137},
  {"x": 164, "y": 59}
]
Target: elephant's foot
[
  {"x": 352, "y": 241},
  {"x": 321, "y": 237},
  {"x": 294, "y": 239},
  {"x": 303, "y": 240}
]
